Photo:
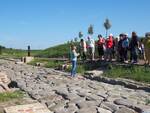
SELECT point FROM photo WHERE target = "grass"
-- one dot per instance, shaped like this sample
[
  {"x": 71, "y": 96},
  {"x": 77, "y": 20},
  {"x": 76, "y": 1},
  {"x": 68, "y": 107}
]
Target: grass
[
  {"x": 137, "y": 73},
  {"x": 53, "y": 64},
  {"x": 38, "y": 60},
  {"x": 7, "y": 96},
  {"x": 147, "y": 101},
  {"x": 47, "y": 63}
]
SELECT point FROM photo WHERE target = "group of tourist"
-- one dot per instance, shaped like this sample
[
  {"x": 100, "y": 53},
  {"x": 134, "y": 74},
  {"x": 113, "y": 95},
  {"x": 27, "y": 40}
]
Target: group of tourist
[
  {"x": 112, "y": 47},
  {"x": 108, "y": 49}
]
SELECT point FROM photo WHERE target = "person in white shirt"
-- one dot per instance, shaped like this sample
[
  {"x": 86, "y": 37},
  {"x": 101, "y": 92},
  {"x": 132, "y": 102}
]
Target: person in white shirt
[{"x": 91, "y": 47}]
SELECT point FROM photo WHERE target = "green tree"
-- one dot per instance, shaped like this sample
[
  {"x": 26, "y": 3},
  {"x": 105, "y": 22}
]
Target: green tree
[
  {"x": 76, "y": 39},
  {"x": 80, "y": 34},
  {"x": 90, "y": 30},
  {"x": 107, "y": 26},
  {"x": 71, "y": 41}
]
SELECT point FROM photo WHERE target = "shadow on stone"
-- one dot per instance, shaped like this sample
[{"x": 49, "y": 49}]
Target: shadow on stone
[{"x": 13, "y": 84}]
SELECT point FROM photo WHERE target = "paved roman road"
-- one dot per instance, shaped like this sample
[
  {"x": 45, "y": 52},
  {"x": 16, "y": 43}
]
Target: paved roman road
[{"x": 62, "y": 94}]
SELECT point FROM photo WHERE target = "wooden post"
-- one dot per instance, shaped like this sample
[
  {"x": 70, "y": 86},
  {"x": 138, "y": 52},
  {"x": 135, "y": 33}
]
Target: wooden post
[{"x": 29, "y": 51}]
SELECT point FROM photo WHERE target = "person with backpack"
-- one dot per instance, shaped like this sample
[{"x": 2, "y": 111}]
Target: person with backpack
[
  {"x": 125, "y": 46},
  {"x": 100, "y": 46}
]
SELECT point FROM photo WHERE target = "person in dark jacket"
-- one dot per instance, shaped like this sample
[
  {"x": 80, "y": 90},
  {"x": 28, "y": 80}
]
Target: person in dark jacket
[
  {"x": 134, "y": 43},
  {"x": 120, "y": 48}
]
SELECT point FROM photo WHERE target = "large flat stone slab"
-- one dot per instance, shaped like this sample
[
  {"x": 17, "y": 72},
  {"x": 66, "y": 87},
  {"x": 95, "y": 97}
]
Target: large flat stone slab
[
  {"x": 4, "y": 81},
  {"x": 29, "y": 108}
]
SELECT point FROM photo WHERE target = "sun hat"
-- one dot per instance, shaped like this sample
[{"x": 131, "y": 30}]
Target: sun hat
[{"x": 111, "y": 35}]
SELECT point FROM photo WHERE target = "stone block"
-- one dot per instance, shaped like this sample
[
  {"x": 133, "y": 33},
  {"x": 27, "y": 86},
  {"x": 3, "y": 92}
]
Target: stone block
[
  {"x": 27, "y": 59},
  {"x": 4, "y": 81},
  {"x": 29, "y": 108}
]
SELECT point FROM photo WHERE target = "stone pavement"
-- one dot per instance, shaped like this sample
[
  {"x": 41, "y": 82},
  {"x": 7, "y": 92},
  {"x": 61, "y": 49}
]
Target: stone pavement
[{"x": 62, "y": 94}]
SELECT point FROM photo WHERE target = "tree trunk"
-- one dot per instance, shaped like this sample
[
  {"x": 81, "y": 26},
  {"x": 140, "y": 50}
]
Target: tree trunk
[{"x": 106, "y": 33}]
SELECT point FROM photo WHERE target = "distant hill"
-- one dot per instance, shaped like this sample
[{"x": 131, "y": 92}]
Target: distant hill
[
  {"x": 15, "y": 53},
  {"x": 56, "y": 51}
]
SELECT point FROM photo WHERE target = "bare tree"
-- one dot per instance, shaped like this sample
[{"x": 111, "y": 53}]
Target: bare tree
[{"x": 107, "y": 26}]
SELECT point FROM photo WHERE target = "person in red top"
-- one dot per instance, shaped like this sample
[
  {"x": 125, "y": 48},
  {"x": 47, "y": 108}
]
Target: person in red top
[
  {"x": 100, "y": 46},
  {"x": 109, "y": 47},
  {"x": 109, "y": 43}
]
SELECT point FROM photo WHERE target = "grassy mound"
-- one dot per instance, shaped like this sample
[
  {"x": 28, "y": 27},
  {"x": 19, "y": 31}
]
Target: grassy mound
[{"x": 55, "y": 52}]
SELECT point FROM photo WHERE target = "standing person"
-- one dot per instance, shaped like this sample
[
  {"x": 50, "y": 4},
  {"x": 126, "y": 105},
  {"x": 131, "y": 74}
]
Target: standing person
[
  {"x": 83, "y": 49},
  {"x": 116, "y": 48},
  {"x": 125, "y": 46},
  {"x": 120, "y": 48},
  {"x": 74, "y": 56},
  {"x": 113, "y": 48},
  {"x": 100, "y": 46},
  {"x": 141, "y": 49},
  {"x": 134, "y": 48},
  {"x": 91, "y": 47},
  {"x": 109, "y": 47},
  {"x": 147, "y": 48}
]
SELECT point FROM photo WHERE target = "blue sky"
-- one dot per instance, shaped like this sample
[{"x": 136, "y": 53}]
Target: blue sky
[{"x": 45, "y": 23}]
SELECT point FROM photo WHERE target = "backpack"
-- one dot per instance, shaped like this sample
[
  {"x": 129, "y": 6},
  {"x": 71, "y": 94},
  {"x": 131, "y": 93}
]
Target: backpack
[{"x": 125, "y": 43}]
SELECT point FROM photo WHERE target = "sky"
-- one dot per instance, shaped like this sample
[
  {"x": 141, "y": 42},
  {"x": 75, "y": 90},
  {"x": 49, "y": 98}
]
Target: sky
[{"x": 46, "y": 23}]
